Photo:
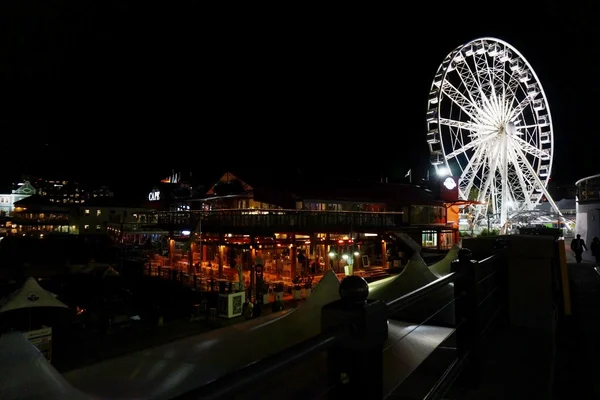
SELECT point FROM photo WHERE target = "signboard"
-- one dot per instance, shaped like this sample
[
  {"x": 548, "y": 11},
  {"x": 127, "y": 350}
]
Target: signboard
[
  {"x": 42, "y": 339},
  {"x": 154, "y": 195},
  {"x": 449, "y": 188}
]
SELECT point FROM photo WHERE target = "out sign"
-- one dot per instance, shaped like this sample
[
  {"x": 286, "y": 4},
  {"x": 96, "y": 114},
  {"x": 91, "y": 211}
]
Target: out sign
[{"x": 154, "y": 195}]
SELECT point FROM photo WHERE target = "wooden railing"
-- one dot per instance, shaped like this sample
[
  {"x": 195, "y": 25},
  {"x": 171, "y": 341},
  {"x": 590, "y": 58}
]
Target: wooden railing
[
  {"x": 354, "y": 330},
  {"x": 280, "y": 220}
]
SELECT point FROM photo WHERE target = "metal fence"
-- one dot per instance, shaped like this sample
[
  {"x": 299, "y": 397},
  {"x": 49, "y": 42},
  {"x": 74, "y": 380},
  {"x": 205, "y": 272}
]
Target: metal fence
[{"x": 355, "y": 329}]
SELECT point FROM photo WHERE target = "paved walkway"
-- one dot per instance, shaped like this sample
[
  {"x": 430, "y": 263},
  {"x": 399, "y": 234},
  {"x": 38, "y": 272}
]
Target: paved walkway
[
  {"x": 578, "y": 342},
  {"x": 519, "y": 363},
  {"x": 93, "y": 349}
]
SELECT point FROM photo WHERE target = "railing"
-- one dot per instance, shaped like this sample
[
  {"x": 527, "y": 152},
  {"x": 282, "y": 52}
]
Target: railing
[
  {"x": 297, "y": 220},
  {"x": 40, "y": 221},
  {"x": 355, "y": 329}
]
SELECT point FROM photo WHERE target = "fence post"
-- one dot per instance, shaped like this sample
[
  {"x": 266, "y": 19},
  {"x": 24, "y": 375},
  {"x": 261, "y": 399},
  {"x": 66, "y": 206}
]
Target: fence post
[
  {"x": 465, "y": 294},
  {"x": 355, "y": 364}
]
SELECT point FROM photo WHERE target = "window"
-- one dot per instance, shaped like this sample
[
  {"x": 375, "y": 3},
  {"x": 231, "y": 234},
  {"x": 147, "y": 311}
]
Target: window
[
  {"x": 86, "y": 228},
  {"x": 87, "y": 212},
  {"x": 98, "y": 228},
  {"x": 429, "y": 239},
  {"x": 427, "y": 215},
  {"x": 98, "y": 212}
]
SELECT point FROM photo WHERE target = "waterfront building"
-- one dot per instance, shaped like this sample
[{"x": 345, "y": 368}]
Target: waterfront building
[
  {"x": 8, "y": 200},
  {"x": 38, "y": 216},
  {"x": 96, "y": 218},
  {"x": 63, "y": 191},
  {"x": 294, "y": 227}
]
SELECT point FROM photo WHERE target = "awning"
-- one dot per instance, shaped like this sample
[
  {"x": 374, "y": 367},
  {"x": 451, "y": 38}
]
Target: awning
[{"x": 30, "y": 295}]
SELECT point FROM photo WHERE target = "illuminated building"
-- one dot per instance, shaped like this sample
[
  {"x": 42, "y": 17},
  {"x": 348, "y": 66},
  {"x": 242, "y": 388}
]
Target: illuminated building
[
  {"x": 296, "y": 226},
  {"x": 64, "y": 191}
]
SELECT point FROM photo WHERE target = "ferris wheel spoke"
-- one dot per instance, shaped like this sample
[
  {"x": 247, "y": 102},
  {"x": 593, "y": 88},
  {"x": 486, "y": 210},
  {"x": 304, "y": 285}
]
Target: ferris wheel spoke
[
  {"x": 532, "y": 126},
  {"x": 473, "y": 143},
  {"x": 471, "y": 83},
  {"x": 469, "y": 126},
  {"x": 482, "y": 68},
  {"x": 530, "y": 149},
  {"x": 491, "y": 162},
  {"x": 467, "y": 177},
  {"x": 538, "y": 182},
  {"x": 515, "y": 112},
  {"x": 459, "y": 99},
  {"x": 512, "y": 86},
  {"x": 514, "y": 160}
]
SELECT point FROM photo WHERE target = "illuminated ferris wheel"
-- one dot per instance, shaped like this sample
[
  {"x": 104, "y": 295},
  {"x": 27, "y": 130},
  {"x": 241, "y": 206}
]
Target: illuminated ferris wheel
[{"x": 489, "y": 123}]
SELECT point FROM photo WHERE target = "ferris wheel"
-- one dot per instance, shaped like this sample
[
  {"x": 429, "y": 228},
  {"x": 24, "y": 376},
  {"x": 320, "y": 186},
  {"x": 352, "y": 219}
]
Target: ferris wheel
[{"x": 488, "y": 122}]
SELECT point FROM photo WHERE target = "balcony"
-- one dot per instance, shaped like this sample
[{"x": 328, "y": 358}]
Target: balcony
[
  {"x": 254, "y": 221},
  {"x": 55, "y": 220}
]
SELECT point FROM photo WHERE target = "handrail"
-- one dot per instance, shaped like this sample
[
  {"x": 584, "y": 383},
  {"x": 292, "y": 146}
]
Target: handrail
[
  {"x": 445, "y": 382},
  {"x": 258, "y": 211},
  {"x": 224, "y": 386},
  {"x": 252, "y": 372},
  {"x": 396, "y": 305}
]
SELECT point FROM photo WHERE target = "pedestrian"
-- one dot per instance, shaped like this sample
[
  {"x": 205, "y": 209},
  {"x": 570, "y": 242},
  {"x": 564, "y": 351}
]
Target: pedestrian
[{"x": 578, "y": 246}]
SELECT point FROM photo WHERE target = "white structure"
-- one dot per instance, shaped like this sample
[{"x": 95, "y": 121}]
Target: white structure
[
  {"x": 7, "y": 201},
  {"x": 489, "y": 122},
  {"x": 31, "y": 294},
  {"x": 587, "y": 222}
]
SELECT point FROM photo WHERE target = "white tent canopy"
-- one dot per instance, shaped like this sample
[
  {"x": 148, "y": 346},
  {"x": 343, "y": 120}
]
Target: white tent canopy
[{"x": 31, "y": 294}]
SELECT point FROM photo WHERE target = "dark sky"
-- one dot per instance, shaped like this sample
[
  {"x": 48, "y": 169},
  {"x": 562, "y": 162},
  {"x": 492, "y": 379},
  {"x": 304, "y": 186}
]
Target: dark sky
[{"x": 124, "y": 91}]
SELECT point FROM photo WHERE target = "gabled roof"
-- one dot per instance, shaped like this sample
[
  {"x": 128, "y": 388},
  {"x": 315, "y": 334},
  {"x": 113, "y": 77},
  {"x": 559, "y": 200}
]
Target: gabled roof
[
  {"x": 227, "y": 178},
  {"x": 284, "y": 190},
  {"x": 26, "y": 189}
]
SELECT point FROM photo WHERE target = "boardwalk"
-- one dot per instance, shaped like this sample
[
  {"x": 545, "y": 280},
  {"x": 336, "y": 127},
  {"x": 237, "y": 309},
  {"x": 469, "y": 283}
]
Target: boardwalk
[{"x": 519, "y": 364}]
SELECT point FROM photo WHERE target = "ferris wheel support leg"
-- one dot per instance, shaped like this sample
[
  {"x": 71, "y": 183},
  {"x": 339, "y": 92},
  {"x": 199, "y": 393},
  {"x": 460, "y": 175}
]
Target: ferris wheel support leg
[{"x": 539, "y": 182}]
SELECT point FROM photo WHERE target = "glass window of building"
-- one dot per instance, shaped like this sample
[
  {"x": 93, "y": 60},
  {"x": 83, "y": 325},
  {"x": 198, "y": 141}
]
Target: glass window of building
[{"x": 429, "y": 239}]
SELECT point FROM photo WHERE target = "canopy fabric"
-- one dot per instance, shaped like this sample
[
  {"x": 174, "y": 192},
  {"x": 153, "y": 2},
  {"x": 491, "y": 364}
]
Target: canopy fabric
[
  {"x": 31, "y": 294},
  {"x": 110, "y": 271},
  {"x": 25, "y": 374}
]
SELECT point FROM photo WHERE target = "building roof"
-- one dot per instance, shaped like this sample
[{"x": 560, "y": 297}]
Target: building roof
[{"x": 286, "y": 190}]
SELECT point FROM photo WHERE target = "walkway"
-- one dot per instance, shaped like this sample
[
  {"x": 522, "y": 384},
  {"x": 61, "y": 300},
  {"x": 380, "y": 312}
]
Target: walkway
[
  {"x": 519, "y": 364},
  {"x": 578, "y": 343}
]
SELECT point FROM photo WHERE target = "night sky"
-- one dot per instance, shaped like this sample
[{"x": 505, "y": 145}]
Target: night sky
[{"x": 123, "y": 91}]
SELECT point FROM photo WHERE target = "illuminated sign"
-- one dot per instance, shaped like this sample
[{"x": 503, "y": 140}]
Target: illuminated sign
[
  {"x": 449, "y": 183},
  {"x": 154, "y": 195}
]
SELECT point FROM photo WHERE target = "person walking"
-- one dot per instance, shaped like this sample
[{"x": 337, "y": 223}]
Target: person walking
[{"x": 578, "y": 246}]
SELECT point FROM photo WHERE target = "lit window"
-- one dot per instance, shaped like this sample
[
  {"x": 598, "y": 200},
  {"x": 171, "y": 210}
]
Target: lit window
[
  {"x": 86, "y": 228},
  {"x": 429, "y": 239},
  {"x": 98, "y": 228},
  {"x": 87, "y": 212},
  {"x": 98, "y": 212}
]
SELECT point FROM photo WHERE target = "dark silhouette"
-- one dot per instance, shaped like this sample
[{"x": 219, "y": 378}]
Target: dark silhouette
[{"x": 578, "y": 246}]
